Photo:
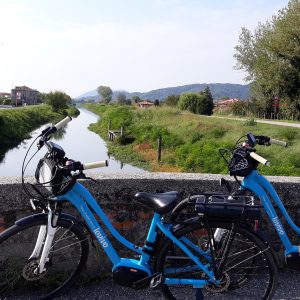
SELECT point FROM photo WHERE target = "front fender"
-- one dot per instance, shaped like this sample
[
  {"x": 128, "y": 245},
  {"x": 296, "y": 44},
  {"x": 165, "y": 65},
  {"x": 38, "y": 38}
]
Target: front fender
[{"x": 43, "y": 216}]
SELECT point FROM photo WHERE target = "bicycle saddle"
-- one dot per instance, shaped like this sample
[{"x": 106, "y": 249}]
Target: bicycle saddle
[{"x": 161, "y": 203}]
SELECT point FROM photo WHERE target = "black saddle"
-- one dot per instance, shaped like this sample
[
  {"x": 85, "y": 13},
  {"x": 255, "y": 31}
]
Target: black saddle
[{"x": 161, "y": 203}]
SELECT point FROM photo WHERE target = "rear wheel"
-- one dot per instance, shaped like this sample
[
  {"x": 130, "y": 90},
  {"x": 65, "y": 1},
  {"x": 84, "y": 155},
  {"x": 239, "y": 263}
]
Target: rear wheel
[
  {"x": 248, "y": 272},
  {"x": 18, "y": 276}
]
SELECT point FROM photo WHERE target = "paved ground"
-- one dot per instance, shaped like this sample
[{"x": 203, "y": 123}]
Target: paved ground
[
  {"x": 288, "y": 289},
  {"x": 279, "y": 123}
]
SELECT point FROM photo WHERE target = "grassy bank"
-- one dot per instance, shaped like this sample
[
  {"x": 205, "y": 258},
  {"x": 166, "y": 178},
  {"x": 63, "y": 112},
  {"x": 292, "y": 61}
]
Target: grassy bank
[
  {"x": 17, "y": 123},
  {"x": 190, "y": 142}
]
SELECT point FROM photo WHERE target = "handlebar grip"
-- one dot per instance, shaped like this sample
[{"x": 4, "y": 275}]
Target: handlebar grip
[
  {"x": 277, "y": 142},
  {"x": 63, "y": 122},
  {"x": 259, "y": 159},
  {"x": 95, "y": 164}
]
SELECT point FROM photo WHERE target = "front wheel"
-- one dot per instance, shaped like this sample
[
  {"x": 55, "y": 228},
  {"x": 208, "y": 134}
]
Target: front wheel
[
  {"x": 248, "y": 268},
  {"x": 18, "y": 276}
]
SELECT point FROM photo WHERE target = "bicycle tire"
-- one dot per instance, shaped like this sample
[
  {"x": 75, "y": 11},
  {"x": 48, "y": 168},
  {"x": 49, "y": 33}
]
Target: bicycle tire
[
  {"x": 261, "y": 283},
  {"x": 68, "y": 255}
]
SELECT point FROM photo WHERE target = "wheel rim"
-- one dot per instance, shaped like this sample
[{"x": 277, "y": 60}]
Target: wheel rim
[
  {"x": 18, "y": 275},
  {"x": 248, "y": 267}
]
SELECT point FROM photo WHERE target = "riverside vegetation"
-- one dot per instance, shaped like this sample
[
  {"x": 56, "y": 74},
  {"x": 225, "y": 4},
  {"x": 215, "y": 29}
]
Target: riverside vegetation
[
  {"x": 16, "y": 124},
  {"x": 190, "y": 142}
]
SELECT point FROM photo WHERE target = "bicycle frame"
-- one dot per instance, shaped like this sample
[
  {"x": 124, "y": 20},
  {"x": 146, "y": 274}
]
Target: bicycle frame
[
  {"x": 81, "y": 198},
  {"x": 263, "y": 188}
]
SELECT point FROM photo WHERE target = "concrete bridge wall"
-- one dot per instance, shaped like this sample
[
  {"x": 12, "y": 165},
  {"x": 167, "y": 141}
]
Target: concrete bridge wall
[{"x": 115, "y": 194}]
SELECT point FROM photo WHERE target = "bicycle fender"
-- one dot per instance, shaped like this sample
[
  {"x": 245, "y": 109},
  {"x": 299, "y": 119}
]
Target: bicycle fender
[
  {"x": 259, "y": 233},
  {"x": 266, "y": 239},
  {"x": 41, "y": 216}
]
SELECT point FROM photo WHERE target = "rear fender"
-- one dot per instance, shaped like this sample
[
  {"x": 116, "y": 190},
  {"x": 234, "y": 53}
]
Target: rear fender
[{"x": 259, "y": 233}]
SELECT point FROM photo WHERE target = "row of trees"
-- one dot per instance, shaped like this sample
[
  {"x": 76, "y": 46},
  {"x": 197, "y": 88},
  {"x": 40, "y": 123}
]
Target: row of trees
[
  {"x": 198, "y": 103},
  {"x": 5, "y": 101},
  {"x": 270, "y": 55},
  {"x": 57, "y": 100},
  {"x": 106, "y": 93}
]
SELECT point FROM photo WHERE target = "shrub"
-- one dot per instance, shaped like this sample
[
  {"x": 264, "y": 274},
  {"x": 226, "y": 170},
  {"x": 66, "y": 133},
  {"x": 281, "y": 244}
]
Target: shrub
[
  {"x": 289, "y": 134},
  {"x": 250, "y": 122},
  {"x": 218, "y": 132},
  {"x": 196, "y": 103},
  {"x": 196, "y": 136}
]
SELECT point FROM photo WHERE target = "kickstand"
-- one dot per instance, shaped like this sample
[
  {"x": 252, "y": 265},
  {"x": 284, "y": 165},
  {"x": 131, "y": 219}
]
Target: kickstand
[{"x": 199, "y": 294}]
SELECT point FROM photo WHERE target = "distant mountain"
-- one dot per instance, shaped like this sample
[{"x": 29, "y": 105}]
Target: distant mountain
[{"x": 218, "y": 90}]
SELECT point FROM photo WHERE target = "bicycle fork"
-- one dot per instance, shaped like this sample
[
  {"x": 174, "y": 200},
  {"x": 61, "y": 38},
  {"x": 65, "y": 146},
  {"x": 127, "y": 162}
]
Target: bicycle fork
[{"x": 44, "y": 242}]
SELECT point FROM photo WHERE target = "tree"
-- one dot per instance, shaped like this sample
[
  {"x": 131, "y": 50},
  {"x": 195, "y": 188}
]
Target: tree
[
  {"x": 156, "y": 102},
  {"x": 58, "y": 100},
  {"x": 121, "y": 99},
  {"x": 43, "y": 97},
  {"x": 206, "y": 92},
  {"x": 136, "y": 99},
  {"x": 270, "y": 55},
  {"x": 196, "y": 103},
  {"x": 208, "y": 101},
  {"x": 105, "y": 92},
  {"x": 5, "y": 101},
  {"x": 172, "y": 100}
]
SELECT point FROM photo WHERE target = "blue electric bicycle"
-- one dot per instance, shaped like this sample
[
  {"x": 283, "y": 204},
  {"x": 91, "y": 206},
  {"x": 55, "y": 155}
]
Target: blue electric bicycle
[
  {"x": 42, "y": 254},
  {"x": 256, "y": 191},
  {"x": 244, "y": 163}
]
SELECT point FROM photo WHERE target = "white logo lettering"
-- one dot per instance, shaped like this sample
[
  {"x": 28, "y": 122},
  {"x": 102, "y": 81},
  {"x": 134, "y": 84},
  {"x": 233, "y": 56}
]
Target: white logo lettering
[
  {"x": 100, "y": 238},
  {"x": 278, "y": 226}
]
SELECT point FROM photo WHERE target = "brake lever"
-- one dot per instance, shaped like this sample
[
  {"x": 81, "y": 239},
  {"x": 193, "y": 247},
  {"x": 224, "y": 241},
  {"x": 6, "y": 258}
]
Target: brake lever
[
  {"x": 263, "y": 140},
  {"x": 83, "y": 176},
  {"x": 92, "y": 179}
]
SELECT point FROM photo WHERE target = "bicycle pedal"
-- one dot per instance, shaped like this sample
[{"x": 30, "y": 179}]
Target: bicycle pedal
[
  {"x": 293, "y": 261},
  {"x": 142, "y": 283},
  {"x": 157, "y": 281}
]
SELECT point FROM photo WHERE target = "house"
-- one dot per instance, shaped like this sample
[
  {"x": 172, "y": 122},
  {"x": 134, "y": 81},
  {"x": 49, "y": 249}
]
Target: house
[
  {"x": 145, "y": 104},
  {"x": 226, "y": 103},
  {"x": 5, "y": 95},
  {"x": 23, "y": 95}
]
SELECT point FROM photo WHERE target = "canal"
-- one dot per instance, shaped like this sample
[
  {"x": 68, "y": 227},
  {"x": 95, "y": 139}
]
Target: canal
[{"x": 78, "y": 142}]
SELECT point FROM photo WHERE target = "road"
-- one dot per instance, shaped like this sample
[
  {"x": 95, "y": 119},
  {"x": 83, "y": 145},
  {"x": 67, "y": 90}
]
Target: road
[
  {"x": 279, "y": 123},
  {"x": 288, "y": 289}
]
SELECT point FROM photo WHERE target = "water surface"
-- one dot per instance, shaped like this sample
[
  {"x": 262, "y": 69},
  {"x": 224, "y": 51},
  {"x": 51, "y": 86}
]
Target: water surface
[{"x": 78, "y": 142}]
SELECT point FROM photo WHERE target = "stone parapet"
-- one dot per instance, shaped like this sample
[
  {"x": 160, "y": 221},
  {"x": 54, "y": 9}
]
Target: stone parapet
[{"x": 115, "y": 193}]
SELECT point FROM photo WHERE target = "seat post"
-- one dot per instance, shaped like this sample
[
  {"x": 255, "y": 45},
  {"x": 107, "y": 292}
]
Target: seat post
[{"x": 151, "y": 238}]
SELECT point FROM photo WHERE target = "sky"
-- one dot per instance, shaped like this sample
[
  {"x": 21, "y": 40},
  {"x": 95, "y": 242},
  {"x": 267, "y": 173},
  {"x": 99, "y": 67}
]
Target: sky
[{"x": 134, "y": 45}]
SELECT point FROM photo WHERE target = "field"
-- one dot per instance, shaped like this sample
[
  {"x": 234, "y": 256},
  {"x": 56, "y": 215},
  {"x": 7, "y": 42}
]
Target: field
[{"x": 190, "y": 142}]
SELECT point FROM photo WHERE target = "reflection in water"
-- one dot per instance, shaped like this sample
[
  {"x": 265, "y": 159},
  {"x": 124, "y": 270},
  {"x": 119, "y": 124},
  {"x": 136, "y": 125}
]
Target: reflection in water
[
  {"x": 78, "y": 142},
  {"x": 3, "y": 150},
  {"x": 59, "y": 134}
]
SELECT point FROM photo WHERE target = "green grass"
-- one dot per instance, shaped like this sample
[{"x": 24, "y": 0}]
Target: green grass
[
  {"x": 16, "y": 124},
  {"x": 191, "y": 142}
]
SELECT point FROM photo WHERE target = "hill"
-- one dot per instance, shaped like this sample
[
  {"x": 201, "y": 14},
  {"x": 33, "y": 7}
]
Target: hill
[{"x": 218, "y": 90}]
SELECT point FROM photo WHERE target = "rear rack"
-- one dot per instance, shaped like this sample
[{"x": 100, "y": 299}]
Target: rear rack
[{"x": 218, "y": 205}]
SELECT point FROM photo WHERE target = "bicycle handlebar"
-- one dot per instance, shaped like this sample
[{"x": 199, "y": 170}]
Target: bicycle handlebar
[
  {"x": 259, "y": 159},
  {"x": 264, "y": 140},
  {"x": 51, "y": 129},
  {"x": 95, "y": 164},
  {"x": 277, "y": 142},
  {"x": 62, "y": 123}
]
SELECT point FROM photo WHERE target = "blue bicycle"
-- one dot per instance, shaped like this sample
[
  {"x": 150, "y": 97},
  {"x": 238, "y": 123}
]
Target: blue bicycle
[{"x": 42, "y": 254}]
